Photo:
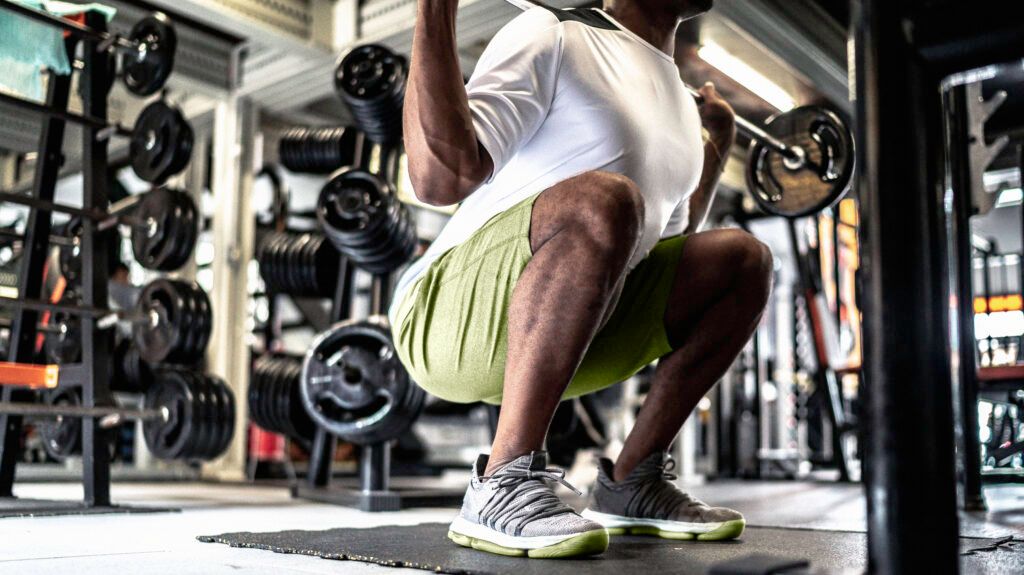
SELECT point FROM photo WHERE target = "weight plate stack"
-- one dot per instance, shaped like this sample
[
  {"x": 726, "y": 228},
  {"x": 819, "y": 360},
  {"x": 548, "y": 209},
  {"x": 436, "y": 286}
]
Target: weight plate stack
[
  {"x": 354, "y": 386},
  {"x": 132, "y": 374},
  {"x": 362, "y": 216},
  {"x": 317, "y": 150},
  {"x": 146, "y": 71},
  {"x": 167, "y": 229},
  {"x": 62, "y": 436},
  {"x": 200, "y": 416},
  {"x": 275, "y": 397},
  {"x": 796, "y": 188},
  {"x": 305, "y": 265},
  {"x": 177, "y": 322},
  {"x": 161, "y": 143},
  {"x": 371, "y": 80}
]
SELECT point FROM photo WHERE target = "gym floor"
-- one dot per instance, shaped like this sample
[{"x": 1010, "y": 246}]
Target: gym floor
[{"x": 166, "y": 542}]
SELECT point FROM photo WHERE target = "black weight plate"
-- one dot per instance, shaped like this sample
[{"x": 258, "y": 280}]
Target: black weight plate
[
  {"x": 278, "y": 415},
  {"x": 63, "y": 346},
  {"x": 155, "y": 142},
  {"x": 185, "y": 223},
  {"x": 152, "y": 236},
  {"x": 796, "y": 190},
  {"x": 227, "y": 417},
  {"x": 147, "y": 69},
  {"x": 369, "y": 72},
  {"x": 200, "y": 429},
  {"x": 214, "y": 409},
  {"x": 183, "y": 152},
  {"x": 62, "y": 436},
  {"x": 189, "y": 319},
  {"x": 217, "y": 428},
  {"x": 205, "y": 328},
  {"x": 169, "y": 439},
  {"x": 256, "y": 391},
  {"x": 354, "y": 386},
  {"x": 161, "y": 340}
]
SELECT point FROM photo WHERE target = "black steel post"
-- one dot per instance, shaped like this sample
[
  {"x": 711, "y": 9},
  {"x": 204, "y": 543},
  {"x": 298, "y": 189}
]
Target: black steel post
[
  {"x": 33, "y": 261},
  {"x": 97, "y": 345},
  {"x": 910, "y": 478},
  {"x": 375, "y": 467},
  {"x": 960, "y": 230}
]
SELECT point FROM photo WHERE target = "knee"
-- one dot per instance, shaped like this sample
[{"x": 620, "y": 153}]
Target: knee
[
  {"x": 755, "y": 265},
  {"x": 610, "y": 210}
]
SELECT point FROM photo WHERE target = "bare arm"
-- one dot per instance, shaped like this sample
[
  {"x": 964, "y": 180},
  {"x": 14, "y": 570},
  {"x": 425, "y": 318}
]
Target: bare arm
[
  {"x": 446, "y": 161},
  {"x": 719, "y": 119}
]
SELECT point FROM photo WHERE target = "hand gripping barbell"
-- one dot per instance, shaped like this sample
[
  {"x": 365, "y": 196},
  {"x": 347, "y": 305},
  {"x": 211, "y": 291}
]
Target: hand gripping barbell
[{"x": 148, "y": 50}]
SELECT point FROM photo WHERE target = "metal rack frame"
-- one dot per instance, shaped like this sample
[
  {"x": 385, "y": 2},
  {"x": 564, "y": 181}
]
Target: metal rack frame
[{"x": 92, "y": 374}]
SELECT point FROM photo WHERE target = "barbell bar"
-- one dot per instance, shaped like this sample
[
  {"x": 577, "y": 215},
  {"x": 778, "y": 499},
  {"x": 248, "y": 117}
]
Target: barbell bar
[
  {"x": 105, "y": 219},
  {"x": 109, "y": 416}
]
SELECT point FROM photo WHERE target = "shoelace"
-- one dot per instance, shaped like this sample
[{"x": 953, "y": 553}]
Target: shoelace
[
  {"x": 513, "y": 503},
  {"x": 655, "y": 497}
]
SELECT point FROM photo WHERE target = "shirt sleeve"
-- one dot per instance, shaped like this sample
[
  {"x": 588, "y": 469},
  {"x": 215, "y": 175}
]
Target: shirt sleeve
[{"x": 513, "y": 85}]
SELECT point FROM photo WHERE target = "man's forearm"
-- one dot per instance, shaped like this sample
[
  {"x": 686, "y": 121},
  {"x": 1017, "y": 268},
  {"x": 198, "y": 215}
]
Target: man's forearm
[
  {"x": 715, "y": 157},
  {"x": 446, "y": 162}
]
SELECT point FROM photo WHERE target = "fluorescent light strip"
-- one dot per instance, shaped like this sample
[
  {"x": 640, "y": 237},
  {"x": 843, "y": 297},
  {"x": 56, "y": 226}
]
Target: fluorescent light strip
[{"x": 744, "y": 74}]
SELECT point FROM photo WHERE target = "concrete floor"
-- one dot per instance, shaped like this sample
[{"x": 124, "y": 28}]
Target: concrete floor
[{"x": 166, "y": 542}]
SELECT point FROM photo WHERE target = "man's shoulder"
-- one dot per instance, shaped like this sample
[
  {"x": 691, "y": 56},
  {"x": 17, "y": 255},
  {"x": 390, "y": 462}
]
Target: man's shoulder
[{"x": 545, "y": 16}]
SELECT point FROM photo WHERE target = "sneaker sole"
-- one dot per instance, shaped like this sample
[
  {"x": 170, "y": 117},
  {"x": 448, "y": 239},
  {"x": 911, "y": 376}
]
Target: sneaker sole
[
  {"x": 583, "y": 544},
  {"x": 675, "y": 530}
]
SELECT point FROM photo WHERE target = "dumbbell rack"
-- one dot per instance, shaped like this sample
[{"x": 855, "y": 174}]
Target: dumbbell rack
[{"x": 93, "y": 373}]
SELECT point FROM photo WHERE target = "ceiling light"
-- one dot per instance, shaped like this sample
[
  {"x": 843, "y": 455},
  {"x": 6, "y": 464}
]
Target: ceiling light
[{"x": 746, "y": 75}]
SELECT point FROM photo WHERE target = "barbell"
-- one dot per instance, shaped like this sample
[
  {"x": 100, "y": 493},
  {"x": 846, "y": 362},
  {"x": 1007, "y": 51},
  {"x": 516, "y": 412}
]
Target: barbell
[
  {"x": 149, "y": 48},
  {"x": 164, "y": 224},
  {"x": 801, "y": 162},
  {"x": 161, "y": 139}
]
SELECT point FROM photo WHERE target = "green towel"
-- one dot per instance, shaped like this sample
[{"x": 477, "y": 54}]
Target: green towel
[{"x": 27, "y": 46}]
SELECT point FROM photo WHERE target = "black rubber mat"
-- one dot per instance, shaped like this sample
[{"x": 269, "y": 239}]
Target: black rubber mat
[
  {"x": 16, "y": 507},
  {"x": 427, "y": 547}
]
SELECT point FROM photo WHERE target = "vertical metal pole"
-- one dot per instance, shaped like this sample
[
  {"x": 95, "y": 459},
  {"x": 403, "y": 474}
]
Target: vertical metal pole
[
  {"x": 96, "y": 344},
  {"x": 33, "y": 262},
  {"x": 234, "y": 228},
  {"x": 375, "y": 467},
  {"x": 909, "y": 481}
]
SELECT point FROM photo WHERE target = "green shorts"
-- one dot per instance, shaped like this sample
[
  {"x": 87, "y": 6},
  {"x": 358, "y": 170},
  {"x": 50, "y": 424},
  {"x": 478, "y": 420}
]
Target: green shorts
[{"x": 451, "y": 327}]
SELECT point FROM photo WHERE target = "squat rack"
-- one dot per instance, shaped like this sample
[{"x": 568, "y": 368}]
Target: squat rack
[{"x": 92, "y": 374}]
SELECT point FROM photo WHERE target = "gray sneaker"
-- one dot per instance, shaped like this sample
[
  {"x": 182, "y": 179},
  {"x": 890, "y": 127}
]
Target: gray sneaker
[
  {"x": 515, "y": 512},
  {"x": 648, "y": 503}
]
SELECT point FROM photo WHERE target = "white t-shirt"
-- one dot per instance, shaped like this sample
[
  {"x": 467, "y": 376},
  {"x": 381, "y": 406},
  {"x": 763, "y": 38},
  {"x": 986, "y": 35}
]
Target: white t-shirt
[{"x": 559, "y": 93}]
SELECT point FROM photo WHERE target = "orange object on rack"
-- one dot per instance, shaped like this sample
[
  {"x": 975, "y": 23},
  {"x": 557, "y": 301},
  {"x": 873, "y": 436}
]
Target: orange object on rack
[{"x": 29, "y": 375}]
